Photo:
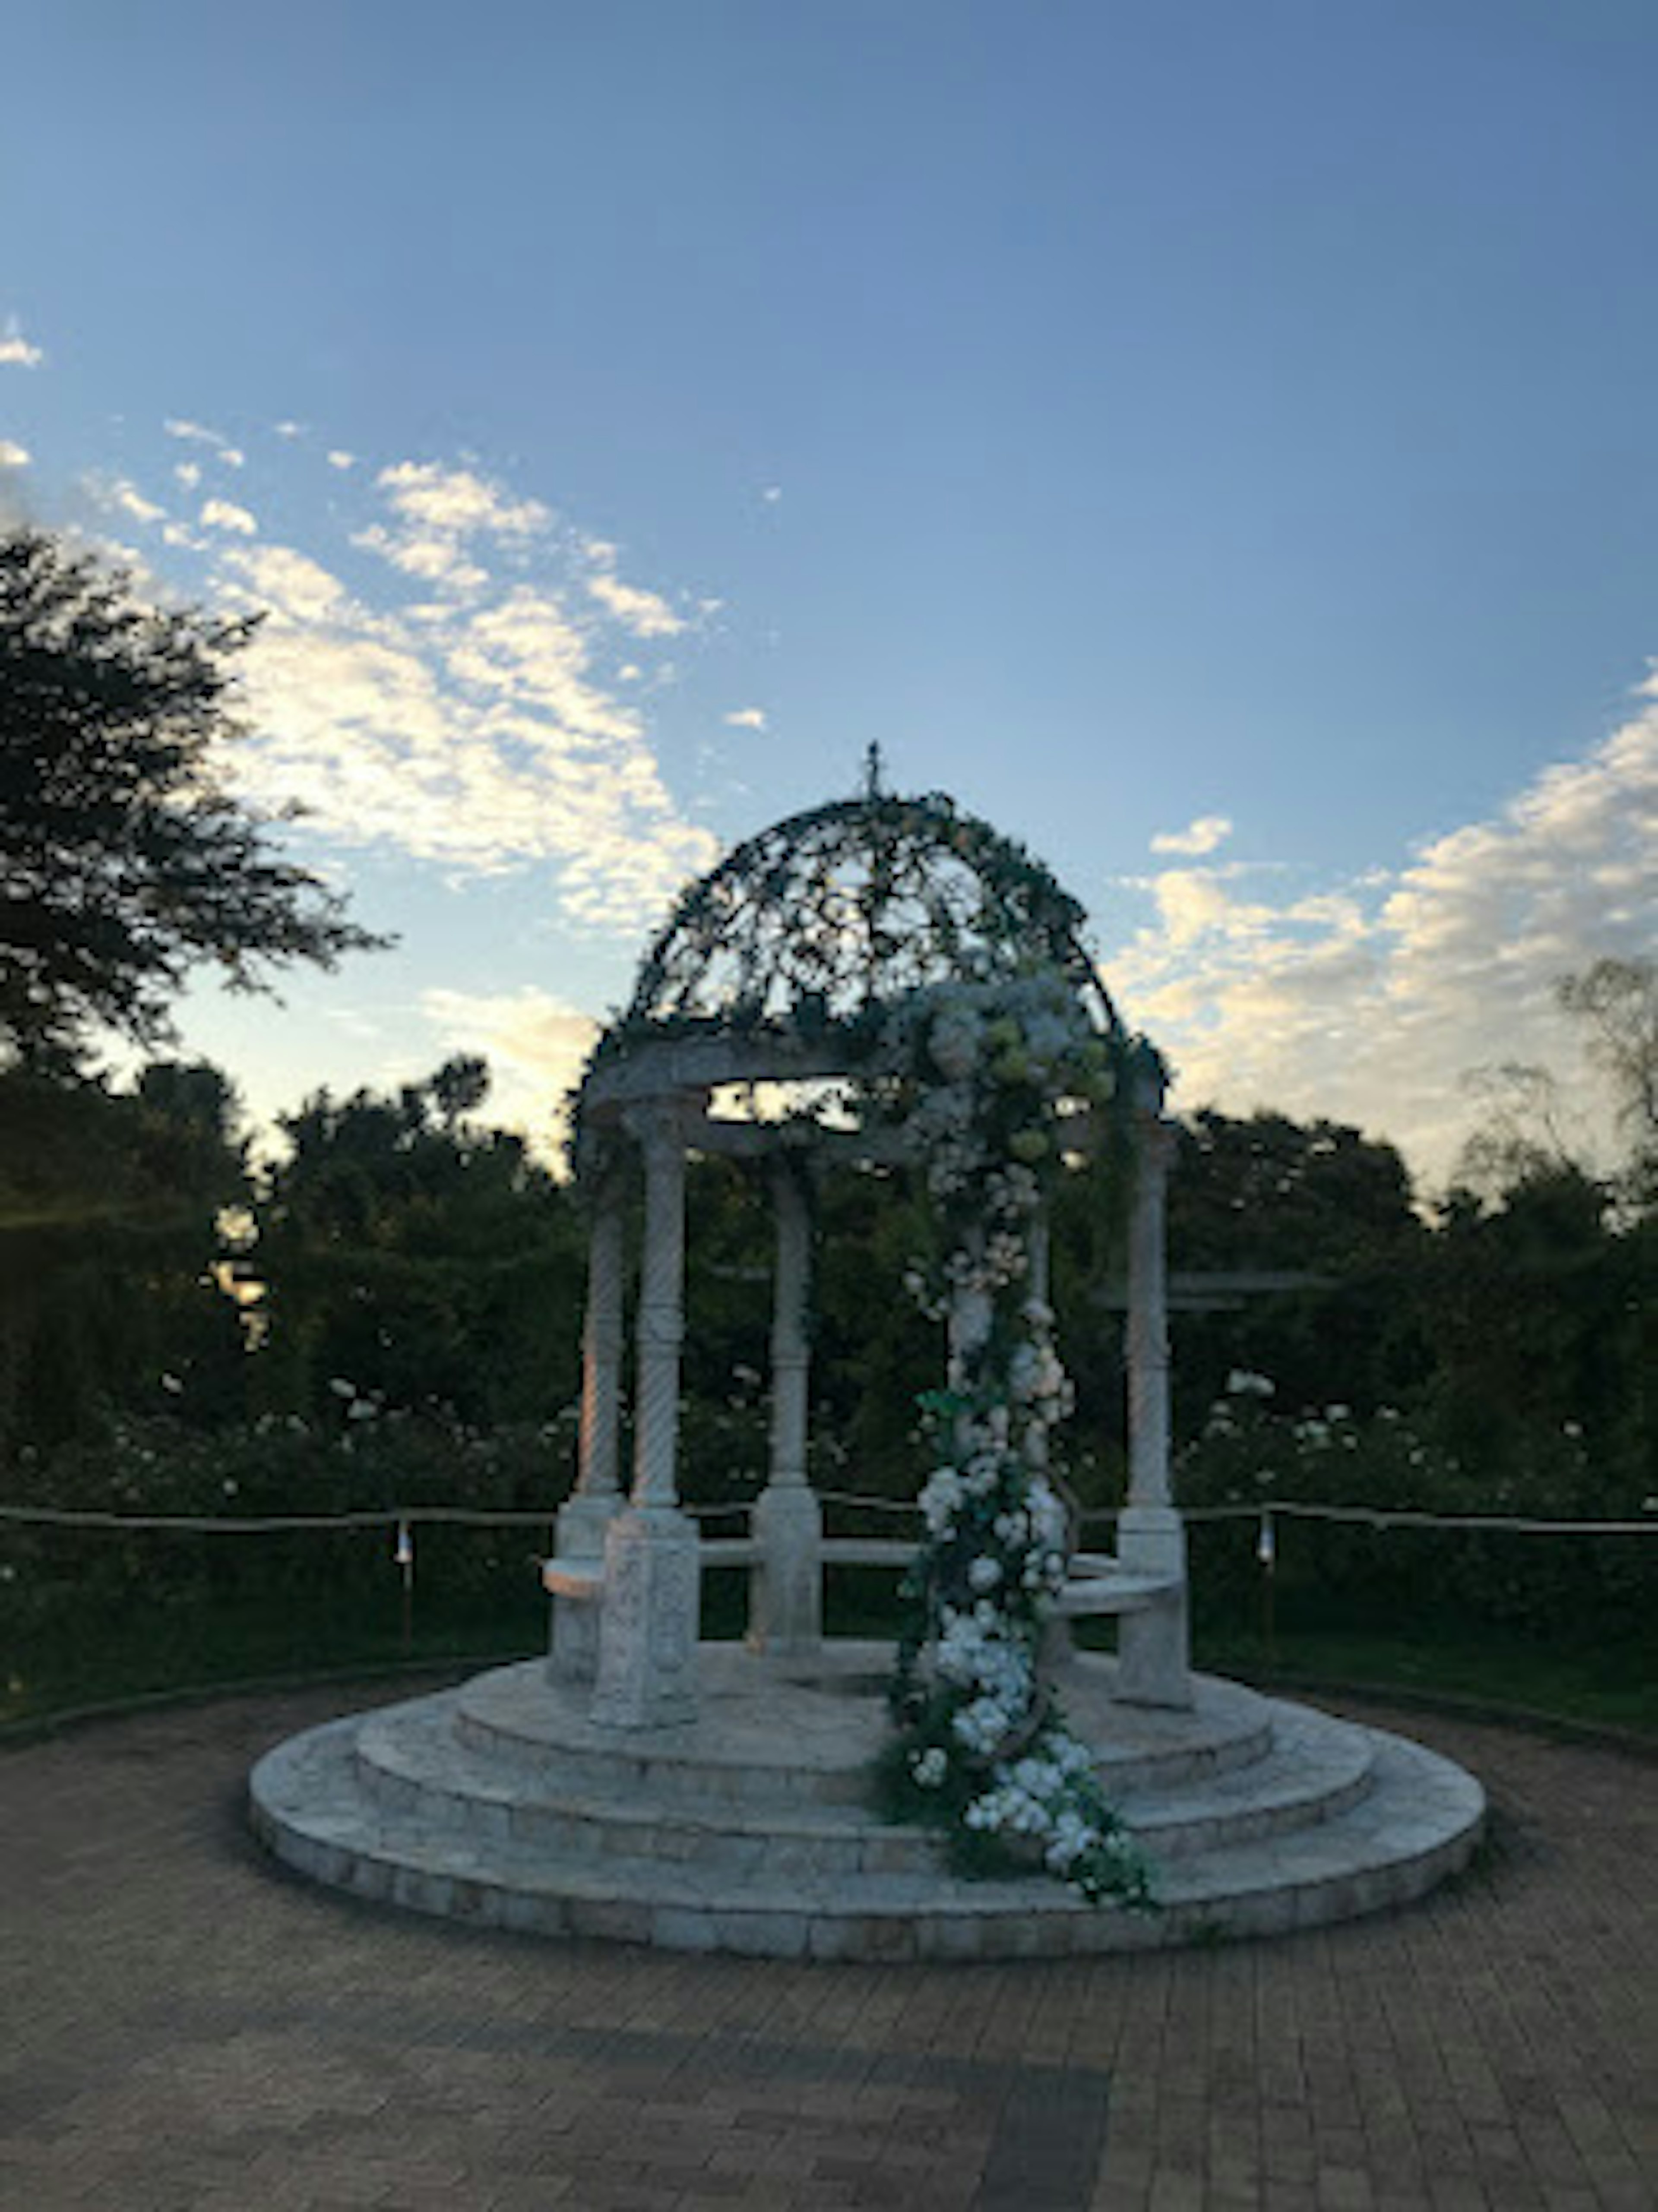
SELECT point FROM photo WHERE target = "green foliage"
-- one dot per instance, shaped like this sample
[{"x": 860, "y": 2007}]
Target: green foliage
[
  {"x": 1577, "y": 1589},
  {"x": 109, "y": 1201},
  {"x": 127, "y": 862},
  {"x": 424, "y": 1260}
]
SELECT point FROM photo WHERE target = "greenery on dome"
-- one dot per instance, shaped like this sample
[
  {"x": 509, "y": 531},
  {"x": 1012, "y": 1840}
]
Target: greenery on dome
[{"x": 819, "y": 922}]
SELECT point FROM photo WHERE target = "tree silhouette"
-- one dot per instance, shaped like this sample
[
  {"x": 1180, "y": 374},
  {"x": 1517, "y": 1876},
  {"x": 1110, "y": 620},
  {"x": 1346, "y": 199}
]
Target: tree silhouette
[{"x": 126, "y": 861}]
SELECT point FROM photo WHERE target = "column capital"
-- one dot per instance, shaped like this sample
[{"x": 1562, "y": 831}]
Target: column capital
[{"x": 656, "y": 1124}]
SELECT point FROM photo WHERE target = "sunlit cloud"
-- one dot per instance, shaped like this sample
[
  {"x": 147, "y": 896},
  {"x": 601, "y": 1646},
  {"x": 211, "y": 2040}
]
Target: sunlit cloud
[
  {"x": 455, "y": 502},
  {"x": 289, "y": 429},
  {"x": 340, "y": 458},
  {"x": 747, "y": 718},
  {"x": 450, "y": 703},
  {"x": 642, "y": 612},
  {"x": 223, "y": 514},
  {"x": 536, "y": 1045},
  {"x": 1369, "y": 1003},
  {"x": 188, "y": 473},
  {"x": 12, "y": 455},
  {"x": 15, "y": 350},
  {"x": 1200, "y": 837}
]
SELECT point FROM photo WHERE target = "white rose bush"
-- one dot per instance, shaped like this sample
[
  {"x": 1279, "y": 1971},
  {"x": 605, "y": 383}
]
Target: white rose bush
[{"x": 977, "y": 1075}]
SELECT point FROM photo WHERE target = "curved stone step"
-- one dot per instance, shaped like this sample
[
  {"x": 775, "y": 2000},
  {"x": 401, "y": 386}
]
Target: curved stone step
[
  {"x": 786, "y": 1735},
  {"x": 411, "y": 1760},
  {"x": 1420, "y": 1819}
]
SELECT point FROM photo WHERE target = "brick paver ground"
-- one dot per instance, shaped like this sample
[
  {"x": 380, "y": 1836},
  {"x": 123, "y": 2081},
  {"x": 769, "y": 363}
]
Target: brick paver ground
[{"x": 183, "y": 2026}]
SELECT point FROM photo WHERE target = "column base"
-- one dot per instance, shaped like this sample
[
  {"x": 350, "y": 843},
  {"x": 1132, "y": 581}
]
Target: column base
[
  {"x": 786, "y": 1591},
  {"x": 1154, "y": 1651},
  {"x": 647, "y": 1671}
]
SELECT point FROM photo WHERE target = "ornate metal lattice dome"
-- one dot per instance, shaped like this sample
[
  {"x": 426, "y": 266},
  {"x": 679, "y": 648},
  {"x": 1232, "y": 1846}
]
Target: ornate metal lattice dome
[{"x": 832, "y": 912}]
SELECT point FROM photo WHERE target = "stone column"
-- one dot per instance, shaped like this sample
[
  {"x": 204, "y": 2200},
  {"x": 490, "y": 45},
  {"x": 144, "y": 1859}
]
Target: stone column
[
  {"x": 585, "y": 1516},
  {"x": 1153, "y": 1646},
  {"x": 648, "y": 1628},
  {"x": 785, "y": 1612}
]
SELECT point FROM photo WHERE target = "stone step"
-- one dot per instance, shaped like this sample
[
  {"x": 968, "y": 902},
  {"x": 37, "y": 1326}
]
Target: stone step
[
  {"x": 787, "y": 1735},
  {"x": 1418, "y": 1819},
  {"x": 410, "y": 1760}
]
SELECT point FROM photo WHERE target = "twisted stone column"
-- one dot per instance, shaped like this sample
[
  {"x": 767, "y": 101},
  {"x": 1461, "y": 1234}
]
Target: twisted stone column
[
  {"x": 648, "y": 1628},
  {"x": 586, "y": 1514},
  {"x": 1153, "y": 1647},
  {"x": 785, "y": 1613}
]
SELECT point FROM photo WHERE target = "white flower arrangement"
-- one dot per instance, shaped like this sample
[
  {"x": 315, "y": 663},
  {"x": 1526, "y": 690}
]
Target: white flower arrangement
[{"x": 977, "y": 1075}]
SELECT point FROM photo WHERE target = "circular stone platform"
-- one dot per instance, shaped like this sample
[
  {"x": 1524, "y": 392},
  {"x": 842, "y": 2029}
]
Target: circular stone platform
[{"x": 747, "y": 1830}]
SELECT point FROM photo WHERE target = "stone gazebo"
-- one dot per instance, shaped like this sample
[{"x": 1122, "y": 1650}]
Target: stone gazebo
[
  {"x": 774, "y": 971},
  {"x": 640, "y": 1785}
]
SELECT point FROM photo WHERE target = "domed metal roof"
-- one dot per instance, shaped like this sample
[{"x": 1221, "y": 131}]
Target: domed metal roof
[{"x": 833, "y": 913}]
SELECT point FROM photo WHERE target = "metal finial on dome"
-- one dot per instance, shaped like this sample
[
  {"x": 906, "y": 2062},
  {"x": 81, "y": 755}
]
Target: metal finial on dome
[{"x": 873, "y": 764}]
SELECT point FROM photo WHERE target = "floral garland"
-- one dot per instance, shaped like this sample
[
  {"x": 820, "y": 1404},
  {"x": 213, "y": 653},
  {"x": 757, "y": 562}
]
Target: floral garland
[{"x": 976, "y": 1075}]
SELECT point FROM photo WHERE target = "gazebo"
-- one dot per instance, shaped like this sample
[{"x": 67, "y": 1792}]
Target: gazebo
[
  {"x": 774, "y": 975},
  {"x": 882, "y": 980}
]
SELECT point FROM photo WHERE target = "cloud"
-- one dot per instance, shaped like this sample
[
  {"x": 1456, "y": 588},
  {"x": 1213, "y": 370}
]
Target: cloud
[
  {"x": 121, "y": 495},
  {"x": 455, "y": 502},
  {"x": 536, "y": 1045},
  {"x": 231, "y": 456},
  {"x": 289, "y": 429},
  {"x": 747, "y": 718},
  {"x": 456, "y": 711},
  {"x": 1200, "y": 837},
  {"x": 642, "y": 612},
  {"x": 177, "y": 427},
  {"x": 15, "y": 350},
  {"x": 772, "y": 493},
  {"x": 188, "y": 473},
  {"x": 340, "y": 458},
  {"x": 222, "y": 514},
  {"x": 13, "y": 456},
  {"x": 443, "y": 520},
  {"x": 1370, "y": 1002}
]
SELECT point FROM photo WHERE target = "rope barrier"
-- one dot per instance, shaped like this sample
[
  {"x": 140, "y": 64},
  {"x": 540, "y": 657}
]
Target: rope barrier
[{"x": 1374, "y": 1517}]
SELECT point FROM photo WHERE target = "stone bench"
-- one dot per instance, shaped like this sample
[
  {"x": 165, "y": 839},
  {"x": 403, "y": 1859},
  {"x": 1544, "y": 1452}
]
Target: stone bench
[{"x": 1097, "y": 1584}]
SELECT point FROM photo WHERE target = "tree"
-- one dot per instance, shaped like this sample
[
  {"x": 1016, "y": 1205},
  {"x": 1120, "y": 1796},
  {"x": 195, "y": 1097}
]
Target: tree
[
  {"x": 109, "y": 1202},
  {"x": 423, "y": 1257},
  {"x": 125, "y": 860},
  {"x": 1619, "y": 1001}
]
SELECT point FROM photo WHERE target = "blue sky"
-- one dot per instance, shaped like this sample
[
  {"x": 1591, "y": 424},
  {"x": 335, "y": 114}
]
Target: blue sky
[{"x": 1134, "y": 417}]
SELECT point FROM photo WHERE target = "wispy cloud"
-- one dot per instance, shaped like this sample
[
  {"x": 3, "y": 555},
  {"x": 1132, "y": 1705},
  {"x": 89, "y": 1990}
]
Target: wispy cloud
[
  {"x": 1369, "y": 1003},
  {"x": 454, "y": 502},
  {"x": 121, "y": 495},
  {"x": 340, "y": 458},
  {"x": 232, "y": 456},
  {"x": 224, "y": 514},
  {"x": 747, "y": 718},
  {"x": 451, "y": 704},
  {"x": 12, "y": 455},
  {"x": 645, "y": 613},
  {"x": 1200, "y": 837},
  {"x": 535, "y": 1044},
  {"x": 15, "y": 350}
]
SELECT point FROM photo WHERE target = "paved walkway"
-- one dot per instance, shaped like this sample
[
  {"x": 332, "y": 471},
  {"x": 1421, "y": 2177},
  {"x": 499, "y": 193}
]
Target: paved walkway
[{"x": 182, "y": 2026}]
